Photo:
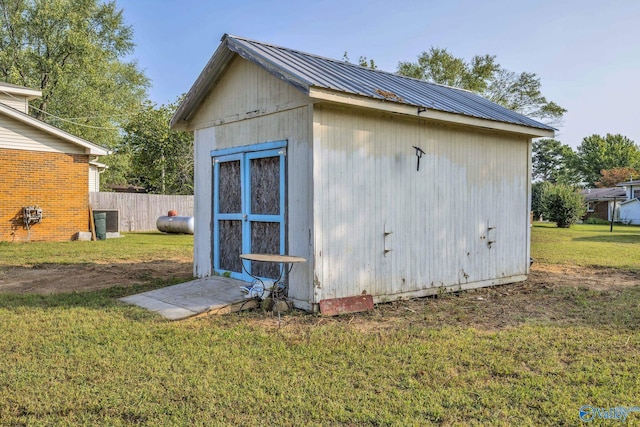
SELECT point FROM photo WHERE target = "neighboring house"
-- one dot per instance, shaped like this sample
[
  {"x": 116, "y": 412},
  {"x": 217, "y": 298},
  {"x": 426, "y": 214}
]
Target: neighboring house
[
  {"x": 603, "y": 202},
  {"x": 387, "y": 185},
  {"x": 621, "y": 200},
  {"x": 630, "y": 208},
  {"x": 95, "y": 169},
  {"x": 45, "y": 179}
]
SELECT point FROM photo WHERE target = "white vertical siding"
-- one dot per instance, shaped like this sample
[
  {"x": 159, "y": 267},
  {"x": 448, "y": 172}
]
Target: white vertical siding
[
  {"x": 245, "y": 91},
  {"x": 629, "y": 211},
  {"x": 472, "y": 187},
  {"x": 205, "y": 141}
]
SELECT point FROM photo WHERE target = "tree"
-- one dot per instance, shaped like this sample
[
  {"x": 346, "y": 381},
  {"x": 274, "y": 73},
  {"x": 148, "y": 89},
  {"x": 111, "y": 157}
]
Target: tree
[
  {"x": 73, "y": 51},
  {"x": 368, "y": 63},
  {"x": 612, "y": 177},
  {"x": 562, "y": 204},
  {"x": 554, "y": 162},
  {"x": 596, "y": 154},
  {"x": 161, "y": 159},
  {"x": 363, "y": 61},
  {"x": 537, "y": 190},
  {"x": 484, "y": 76},
  {"x": 439, "y": 66}
]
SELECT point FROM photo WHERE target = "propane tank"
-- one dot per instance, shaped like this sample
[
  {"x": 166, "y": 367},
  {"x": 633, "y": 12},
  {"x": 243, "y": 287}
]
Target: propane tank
[{"x": 175, "y": 224}]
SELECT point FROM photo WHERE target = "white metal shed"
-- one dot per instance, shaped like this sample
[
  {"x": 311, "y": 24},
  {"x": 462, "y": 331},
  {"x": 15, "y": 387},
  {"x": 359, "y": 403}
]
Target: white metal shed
[{"x": 316, "y": 157}]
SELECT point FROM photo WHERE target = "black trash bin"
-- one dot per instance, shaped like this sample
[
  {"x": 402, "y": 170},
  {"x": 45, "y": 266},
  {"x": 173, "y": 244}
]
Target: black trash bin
[{"x": 100, "y": 221}]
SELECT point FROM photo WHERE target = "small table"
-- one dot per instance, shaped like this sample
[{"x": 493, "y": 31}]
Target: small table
[{"x": 279, "y": 289}]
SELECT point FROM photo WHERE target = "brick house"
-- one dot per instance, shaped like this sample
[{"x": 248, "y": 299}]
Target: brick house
[
  {"x": 603, "y": 202},
  {"x": 44, "y": 169}
]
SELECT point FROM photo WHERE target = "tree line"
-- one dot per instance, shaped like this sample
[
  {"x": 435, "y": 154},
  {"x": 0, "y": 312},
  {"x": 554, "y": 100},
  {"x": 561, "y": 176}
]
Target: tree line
[
  {"x": 599, "y": 161},
  {"x": 77, "y": 52},
  {"x": 559, "y": 173}
]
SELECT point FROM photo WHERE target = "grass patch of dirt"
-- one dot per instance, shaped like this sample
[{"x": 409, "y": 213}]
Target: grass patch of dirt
[
  {"x": 63, "y": 278},
  {"x": 562, "y": 295},
  {"x": 551, "y": 293}
]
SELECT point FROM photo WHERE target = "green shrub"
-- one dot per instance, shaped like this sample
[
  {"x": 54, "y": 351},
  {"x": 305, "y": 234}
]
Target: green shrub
[
  {"x": 562, "y": 204},
  {"x": 594, "y": 220}
]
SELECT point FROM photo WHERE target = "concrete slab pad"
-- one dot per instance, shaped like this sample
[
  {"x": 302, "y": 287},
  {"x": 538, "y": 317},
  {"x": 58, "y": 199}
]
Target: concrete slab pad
[
  {"x": 168, "y": 311},
  {"x": 209, "y": 295}
]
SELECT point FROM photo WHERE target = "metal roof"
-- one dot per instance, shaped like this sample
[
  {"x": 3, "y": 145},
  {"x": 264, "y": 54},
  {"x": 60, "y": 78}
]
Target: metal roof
[
  {"x": 633, "y": 182},
  {"x": 306, "y": 71},
  {"x": 594, "y": 194}
]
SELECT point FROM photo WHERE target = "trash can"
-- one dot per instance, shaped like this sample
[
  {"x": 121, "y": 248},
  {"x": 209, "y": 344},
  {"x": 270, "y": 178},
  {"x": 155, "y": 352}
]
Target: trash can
[{"x": 100, "y": 221}]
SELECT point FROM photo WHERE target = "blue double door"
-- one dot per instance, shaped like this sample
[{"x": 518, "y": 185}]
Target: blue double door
[{"x": 248, "y": 208}]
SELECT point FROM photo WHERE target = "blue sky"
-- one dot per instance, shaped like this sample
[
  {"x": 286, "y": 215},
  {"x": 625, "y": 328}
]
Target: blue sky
[{"x": 586, "y": 53}]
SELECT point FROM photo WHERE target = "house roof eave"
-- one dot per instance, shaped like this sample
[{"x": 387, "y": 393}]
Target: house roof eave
[
  {"x": 90, "y": 148},
  {"x": 26, "y": 92}
]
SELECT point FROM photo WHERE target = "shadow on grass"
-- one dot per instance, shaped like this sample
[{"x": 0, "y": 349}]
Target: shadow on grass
[
  {"x": 99, "y": 299},
  {"x": 613, "y": 307},
  {"x": 610, "y": 238}
]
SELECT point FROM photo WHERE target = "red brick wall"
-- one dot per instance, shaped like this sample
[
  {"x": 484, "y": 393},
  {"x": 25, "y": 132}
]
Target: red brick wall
[{"x": 57, "y": 183}]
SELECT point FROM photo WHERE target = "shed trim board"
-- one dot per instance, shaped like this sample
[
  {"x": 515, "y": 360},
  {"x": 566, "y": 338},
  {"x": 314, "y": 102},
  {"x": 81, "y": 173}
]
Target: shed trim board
[
  {"x": 249, "y": 148},
  {"x": 247, "y": 216},
  {"x": 455, "y": 287},
  {"x": 411, "y": 110}
]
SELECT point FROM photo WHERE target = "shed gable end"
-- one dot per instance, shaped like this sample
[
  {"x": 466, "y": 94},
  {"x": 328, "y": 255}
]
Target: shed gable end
[{"x": 245, "y": 91}]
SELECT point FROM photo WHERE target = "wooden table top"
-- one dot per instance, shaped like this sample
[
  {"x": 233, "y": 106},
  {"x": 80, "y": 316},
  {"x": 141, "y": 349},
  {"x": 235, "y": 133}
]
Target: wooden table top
[{"x": 273, "y": 258}]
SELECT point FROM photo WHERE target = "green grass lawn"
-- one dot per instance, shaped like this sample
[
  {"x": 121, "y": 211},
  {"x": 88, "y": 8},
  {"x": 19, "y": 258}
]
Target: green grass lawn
[
  {"x": 132, "y": 247},
  {"x": 85, "y": 359},
  {"x": 587, "y": 245}
]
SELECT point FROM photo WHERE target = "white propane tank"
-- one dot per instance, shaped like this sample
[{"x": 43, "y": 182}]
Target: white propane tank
[{"x": 175, "y": 224}]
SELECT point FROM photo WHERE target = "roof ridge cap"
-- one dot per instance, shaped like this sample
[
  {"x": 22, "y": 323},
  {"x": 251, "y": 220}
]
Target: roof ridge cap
[{"x": 337, "y": 61}]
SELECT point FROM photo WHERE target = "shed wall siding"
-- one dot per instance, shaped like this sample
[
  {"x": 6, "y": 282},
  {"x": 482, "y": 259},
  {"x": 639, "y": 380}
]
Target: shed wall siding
[
  {"x": 293, "y": 126},
  {"x": 472, "y": 187},
  {"x": 244, "y": 92},
  {"x": 249, "y": 106},
  {"x": 20, "y": 136}
]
